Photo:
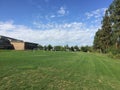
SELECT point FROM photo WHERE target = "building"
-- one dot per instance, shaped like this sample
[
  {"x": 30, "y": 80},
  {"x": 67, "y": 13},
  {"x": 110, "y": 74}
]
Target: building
[
  {"x": 5, "y": 43},
  {"x": 11, "y": 43}
]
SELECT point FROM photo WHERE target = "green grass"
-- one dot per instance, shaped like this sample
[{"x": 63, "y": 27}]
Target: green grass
[{"x": 40, "y": 70}]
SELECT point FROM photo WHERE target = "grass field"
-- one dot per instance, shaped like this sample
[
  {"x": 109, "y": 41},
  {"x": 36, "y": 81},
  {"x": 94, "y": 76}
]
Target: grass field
[{"x": 40, "y": 70}]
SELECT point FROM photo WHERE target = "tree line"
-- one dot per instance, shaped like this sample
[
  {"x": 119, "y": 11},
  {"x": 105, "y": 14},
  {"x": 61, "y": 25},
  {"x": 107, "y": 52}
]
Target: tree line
[
  {"x": 107, "y": 39},
  {"x": 65, "y": 48}
]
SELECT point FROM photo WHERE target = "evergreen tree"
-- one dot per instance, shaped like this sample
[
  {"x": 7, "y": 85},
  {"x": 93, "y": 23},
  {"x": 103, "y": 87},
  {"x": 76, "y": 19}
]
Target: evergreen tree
[
  {"x": 97, "y": 40},
  {"x": 106, "y": 32},
  {"x": 114, "y": 11},
  {"x": 110, "y": 30},
  {"x": 102, "y": 39}
]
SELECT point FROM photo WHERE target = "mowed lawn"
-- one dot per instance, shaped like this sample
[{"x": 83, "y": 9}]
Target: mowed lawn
[{"x": 42, "y": 70}]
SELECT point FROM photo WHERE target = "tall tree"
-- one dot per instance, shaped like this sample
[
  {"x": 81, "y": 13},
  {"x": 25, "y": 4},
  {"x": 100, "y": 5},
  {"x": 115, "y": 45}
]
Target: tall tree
[
  {"x": 102, "y": 39},
  {"x": 110, "y": 31},
  {"x": 106, "y": 32},
  {"x": 97, "y": 40},
  {"x": 114, "y": 13}
]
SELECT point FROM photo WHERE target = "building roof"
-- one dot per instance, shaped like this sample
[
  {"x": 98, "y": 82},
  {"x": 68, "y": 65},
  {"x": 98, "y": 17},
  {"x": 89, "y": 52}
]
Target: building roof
[{"x": 10, "y": 39}]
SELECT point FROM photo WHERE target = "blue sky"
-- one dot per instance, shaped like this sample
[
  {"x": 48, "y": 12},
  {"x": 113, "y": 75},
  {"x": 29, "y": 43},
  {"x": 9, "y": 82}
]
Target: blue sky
[{"x": 56, "y": 22}]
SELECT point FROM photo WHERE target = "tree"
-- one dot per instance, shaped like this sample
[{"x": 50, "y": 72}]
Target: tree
[
  {"x": 40, "y": 47},
  {"x": 85, "y": 48},
  {"x": 45, "y": 48},
  {"x": 107, "y": 36},
  {"x": 114, "y": 13},
  {"x": 72, "y": 48},
  {"x": 59, "y": 48},
  {"x": 106, "y": 33},
  {"x": 99, "y": 41},
  {"x": 76, "y": 48},
  {"x": 67, "y": 48},
  {"x": 50, "y": 47}
]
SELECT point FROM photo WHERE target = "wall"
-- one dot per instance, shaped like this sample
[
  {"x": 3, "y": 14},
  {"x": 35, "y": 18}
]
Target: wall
[
  {"x": 30, "y": 46},
  {"x": 18, "y": 45}
]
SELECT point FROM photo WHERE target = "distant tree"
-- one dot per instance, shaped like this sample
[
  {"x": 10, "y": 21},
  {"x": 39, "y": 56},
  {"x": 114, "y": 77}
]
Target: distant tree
[
  {"x": 59, "y": 48},
  {"x": 49, "y": 47},
  {"x": 86, "y": 48},
  {"x": 76, "y": 48},
  {"x": 67, "y": 48},
  {"x": 40, "y": 47},
  {"x": 72, "y": 48},
  {"x": 45, "y": 48}
]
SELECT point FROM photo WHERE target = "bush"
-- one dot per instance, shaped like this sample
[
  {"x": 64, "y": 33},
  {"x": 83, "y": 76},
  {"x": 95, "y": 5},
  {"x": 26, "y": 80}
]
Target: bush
[
  {"x": 86, "y": 49},
  {"x": 114, "y": 53},
  {"x": 114, "y": 50},
  {"x": 59, "y": 48}
]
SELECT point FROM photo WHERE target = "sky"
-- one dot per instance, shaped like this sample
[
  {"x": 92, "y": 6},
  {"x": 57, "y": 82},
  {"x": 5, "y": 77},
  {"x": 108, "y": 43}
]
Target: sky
[{"x": 55, "y": 22}]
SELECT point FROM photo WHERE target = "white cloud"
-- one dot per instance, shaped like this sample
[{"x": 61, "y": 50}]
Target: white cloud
[
  {"x": 62, "y": 11},
  {"x": 75, "y": 33},
  {"x": 52, "y": 16},
  {"x": 64, "y": 26},
  {"x": 6, "y": 25},
  {"x": 96, "y": 13},
  {"x": 95, "y": 17}
]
